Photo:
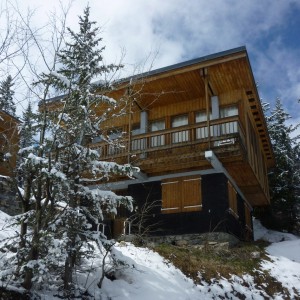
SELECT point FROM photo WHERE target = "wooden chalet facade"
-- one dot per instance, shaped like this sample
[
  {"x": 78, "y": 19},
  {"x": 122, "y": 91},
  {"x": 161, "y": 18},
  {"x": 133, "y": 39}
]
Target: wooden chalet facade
[
  {"x": 9, "y": 141},
  {"x": 197, "y": 132}
]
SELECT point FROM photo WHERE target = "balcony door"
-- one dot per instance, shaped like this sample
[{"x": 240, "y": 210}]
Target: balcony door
[
  {"x": 230, "y": 127},
  {"x": 157, "y": 140},
  {"x": 181, "y": 135}
]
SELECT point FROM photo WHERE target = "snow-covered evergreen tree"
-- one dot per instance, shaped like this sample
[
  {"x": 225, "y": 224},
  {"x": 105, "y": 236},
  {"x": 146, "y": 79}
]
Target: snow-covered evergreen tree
[
  {"x": 60, "y": 209},
  {"x": 26, "y": 131},
  {"x": 284, "y": 178},
  {"x": 6, "y": 96}
]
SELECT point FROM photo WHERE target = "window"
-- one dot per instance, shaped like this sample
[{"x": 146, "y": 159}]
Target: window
[
  {"x": 135, "y": 129},
  {"x": 229, "y": 111},
  {"x": 115, "y": 133},
  {"x": 201, "y": 132},
  {"x": 183, "y": 135},
  {"x": 180, "y": 121},
  {"x": 158, "y": 125},
  {"x": 157, "y": 140},
  {"x": 136, "y": 143},
  {"x": 181, "y": 195},
  {"x": 230, "y": 127},
  {"x": 201, "y": 116},
  {"x": 232, "y": 197},
  {"x": 115, "y": 147}
]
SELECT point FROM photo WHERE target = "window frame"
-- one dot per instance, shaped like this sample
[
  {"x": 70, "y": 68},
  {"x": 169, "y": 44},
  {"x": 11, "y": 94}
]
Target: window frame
[
  {"x": 159, "y": 139},
  {"x": 180, "y": 136},
  {"x": 224, "y": 108}
]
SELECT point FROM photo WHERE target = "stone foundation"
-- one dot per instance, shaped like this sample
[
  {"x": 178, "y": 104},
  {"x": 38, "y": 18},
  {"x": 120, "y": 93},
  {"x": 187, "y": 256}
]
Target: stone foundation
[{"x": 212, "y": 239}]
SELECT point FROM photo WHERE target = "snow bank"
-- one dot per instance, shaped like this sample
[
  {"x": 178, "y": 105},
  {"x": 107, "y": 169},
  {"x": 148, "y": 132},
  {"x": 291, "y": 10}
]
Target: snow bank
[
  {"x": 285, "y": 271},
  {"x": 5, "y": 230},
  {"x": 148, "y": 278},
  {"x": 285, "y": 255},
  {"x": 288, "y": 249},
  {"x": 262, "y": 233}
]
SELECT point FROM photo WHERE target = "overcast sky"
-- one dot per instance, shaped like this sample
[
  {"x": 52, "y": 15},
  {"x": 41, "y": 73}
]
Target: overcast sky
[{"x": 178, "y": 30}]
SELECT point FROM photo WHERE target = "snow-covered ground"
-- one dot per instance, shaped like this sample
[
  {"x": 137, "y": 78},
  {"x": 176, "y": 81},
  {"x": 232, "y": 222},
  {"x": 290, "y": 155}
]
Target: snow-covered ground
[
  {"x": 148, "y": 276},
  {"x": 5, "y": 230}
]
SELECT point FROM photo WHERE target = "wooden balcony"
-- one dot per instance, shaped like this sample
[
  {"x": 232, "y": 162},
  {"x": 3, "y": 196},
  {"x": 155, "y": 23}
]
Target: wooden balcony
[
  {"x": 182, "y": 149},
  {"x": 178, "y": 149}
]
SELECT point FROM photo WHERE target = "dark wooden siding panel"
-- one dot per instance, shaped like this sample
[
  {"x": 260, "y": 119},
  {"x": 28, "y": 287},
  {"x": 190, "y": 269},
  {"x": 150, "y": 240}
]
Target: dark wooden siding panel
[
  {"x": 215, "y": 201},
  {"x": 232, "y": 198},
  {"x": 213, "y": 216}
]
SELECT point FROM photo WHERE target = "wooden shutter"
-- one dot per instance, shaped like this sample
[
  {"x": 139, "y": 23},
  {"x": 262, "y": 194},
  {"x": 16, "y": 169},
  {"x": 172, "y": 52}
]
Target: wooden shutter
[
  {"x": 191, "y": 194},
  {"x": 232, "y": 197},
  {"x": 171, "y": 197}
]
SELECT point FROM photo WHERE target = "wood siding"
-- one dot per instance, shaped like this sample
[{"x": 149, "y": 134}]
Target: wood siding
[
  {"x": 241, "y": 143},
  {"x": 9, "y": 142},
  {"x": 214, "y": 215}
]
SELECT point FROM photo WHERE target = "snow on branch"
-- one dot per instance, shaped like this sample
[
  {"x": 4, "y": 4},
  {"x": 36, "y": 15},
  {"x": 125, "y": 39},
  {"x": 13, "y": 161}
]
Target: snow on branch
[
  {"x": 62, "y": 78},
  {"x": 106, "y": 99}
]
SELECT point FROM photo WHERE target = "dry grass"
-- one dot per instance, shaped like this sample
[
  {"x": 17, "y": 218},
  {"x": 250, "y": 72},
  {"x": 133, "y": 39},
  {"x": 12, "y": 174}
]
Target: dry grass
[{"x": 224, "y": 263}]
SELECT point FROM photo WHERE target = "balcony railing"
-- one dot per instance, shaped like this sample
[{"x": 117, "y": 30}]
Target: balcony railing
[{"x": 223, "y": 132}]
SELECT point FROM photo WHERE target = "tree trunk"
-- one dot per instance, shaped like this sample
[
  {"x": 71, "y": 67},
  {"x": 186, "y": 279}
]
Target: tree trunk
[
  {"x": 34, "y": 252},
  {"x": 33, "y": 255},
  {"x": 25, "y": 208},
  {"x": 68, "y": 273}
]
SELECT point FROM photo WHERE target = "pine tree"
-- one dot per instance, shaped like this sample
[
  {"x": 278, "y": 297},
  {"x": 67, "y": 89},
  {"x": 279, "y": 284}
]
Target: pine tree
[
  {"x": 60, "y": 166},
  {"x": 82, "y": 62},
  {"x": 6, "y": 96},
  {"x": 26, "y": 134},
  {"x": 26, "y": 128},
  {"x": 284, "y": 179}
]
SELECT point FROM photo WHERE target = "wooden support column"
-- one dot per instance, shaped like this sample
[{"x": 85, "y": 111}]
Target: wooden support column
[
  {"x": 129, "y": 124},
  {"x": 204, "y": 74}
]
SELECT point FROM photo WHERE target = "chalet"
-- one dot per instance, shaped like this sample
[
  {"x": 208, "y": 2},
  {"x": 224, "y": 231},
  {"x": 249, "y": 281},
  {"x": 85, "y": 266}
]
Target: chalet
[{"x": 197, "y": 132}]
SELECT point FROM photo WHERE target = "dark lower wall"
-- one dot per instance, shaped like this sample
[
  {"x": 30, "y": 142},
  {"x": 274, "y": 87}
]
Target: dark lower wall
[{"x": 214, "y": 216}]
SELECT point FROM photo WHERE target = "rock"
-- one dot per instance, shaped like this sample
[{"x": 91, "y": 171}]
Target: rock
[
  {"x": 221, "y": 246},
  {"x": 181, "y": 243},
  {"x": 255, "y": 254}
]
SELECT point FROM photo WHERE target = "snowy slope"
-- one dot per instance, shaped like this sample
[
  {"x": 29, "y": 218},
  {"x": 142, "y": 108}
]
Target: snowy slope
[
  {"x": 285, "y": 255},
  {"x": 148, "y": 276},
  {"x": 5, "y": 229}
]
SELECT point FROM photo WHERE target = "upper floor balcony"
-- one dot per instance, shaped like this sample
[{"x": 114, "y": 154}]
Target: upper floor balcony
[{"x": 177, "y": 149}]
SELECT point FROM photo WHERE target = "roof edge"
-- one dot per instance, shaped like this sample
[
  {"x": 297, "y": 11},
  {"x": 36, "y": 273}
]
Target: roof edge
[
  {"x": 170, "y": 68},
  {"x": 185, "y": 63}
]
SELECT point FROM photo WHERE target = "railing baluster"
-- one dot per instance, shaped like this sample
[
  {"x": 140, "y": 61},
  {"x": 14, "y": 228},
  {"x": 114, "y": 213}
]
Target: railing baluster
[{"x": 220, "y": 129}]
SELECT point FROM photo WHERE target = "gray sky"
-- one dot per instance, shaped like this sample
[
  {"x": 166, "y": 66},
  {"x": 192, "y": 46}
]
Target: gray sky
[{"x": 172, "y": 31}]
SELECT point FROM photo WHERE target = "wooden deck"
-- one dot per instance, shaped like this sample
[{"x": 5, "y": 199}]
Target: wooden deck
[{"x": 177, "y": 149}]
